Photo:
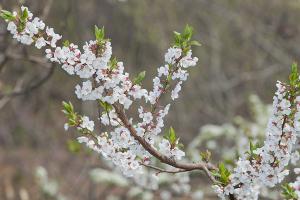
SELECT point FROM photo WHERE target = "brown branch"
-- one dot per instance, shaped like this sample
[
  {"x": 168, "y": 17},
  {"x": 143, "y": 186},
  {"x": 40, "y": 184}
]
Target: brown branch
[
  {"x": 175, "y": 171},
  {"x": 3, "y": 62},
  {"x": 161, "y": 170},
  {"x": 210, "y": 176},
  {"x": 6, "y": 99},
  {"x": 32, "y": 59},
  {"x": 164, "y": 159},
  {"x": 32, "y": 87}
]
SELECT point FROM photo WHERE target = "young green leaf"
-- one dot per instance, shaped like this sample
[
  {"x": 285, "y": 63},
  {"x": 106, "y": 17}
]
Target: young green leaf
[
  {"x": 224, "y": 174},
  {"x": 66, "y": 43},
  {"x": 6, "y": 15},
  {"x": 172, "y": 135},
  {"x": 183, "y": 40},
  {"x": 106, "y": 106},
  {"x": 288, "y": 192},
  {"x": 252, "y": 148},
  {"x": 68, "y": 107},
  {"x": 195, "y": 43},
  {"x": 188, "y": 33},
  {"x": 172, "y": 138},
  {"x": 294, "y": 75},
  {"x": 140, "y": 77},
  {"x": 24, "y": 15},
  {"x": 205, "y": 155},
  {"x": 113, "y": 63},
  {"x": 99, "y": 33},
  {"x": 68, "y": 110}
]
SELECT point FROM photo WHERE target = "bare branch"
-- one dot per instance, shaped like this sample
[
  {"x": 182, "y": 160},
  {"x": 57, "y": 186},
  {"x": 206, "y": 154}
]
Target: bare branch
[
  {"x": 161, "y": 170},
  {"x": 32, "y": 87}
]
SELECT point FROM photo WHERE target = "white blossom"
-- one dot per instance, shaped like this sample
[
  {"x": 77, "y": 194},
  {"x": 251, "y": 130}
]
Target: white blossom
[
  {"x": 12, "y": 28},
  {"x": 166, "y": 149},
  {"x": 176, "y": 90},
  {"x": 172, "y": 55},
  {"x": 86, "y": 124},
  {"x": 40, "y": 42}
]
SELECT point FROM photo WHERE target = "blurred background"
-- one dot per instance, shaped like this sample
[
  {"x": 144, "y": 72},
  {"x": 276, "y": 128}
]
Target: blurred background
[{"x": 246, "y": 47}]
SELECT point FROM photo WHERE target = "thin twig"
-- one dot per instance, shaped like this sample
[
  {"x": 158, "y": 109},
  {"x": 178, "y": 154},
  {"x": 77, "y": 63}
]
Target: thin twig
[
  {"x": 161, "y": 170},
  {"x": 210, "y": 176},
  {"x": 32, "y": 59},
  {"x": 34, "y": 86},
  {"x": 6, "y": 99}
]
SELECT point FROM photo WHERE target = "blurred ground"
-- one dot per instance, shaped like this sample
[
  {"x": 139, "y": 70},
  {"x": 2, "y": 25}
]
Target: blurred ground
[{"x": 246, "y": 47}]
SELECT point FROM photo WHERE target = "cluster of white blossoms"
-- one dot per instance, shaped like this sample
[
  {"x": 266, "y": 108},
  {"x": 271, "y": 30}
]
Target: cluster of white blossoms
[
  {"x": 174, "y": 152},
  {"x": 152, "y": 122},
  {"x": 86, "y": 124},
  {"x": 122, "y": 149},
  {"x": 105, "y": 80},
  {"x": 32, "y": 31},
  {"x": 267, "y": 165},
  {"x": 173, "y": 57}
]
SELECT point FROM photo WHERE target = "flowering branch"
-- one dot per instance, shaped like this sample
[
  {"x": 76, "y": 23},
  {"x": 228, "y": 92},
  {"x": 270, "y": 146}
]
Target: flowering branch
[
  {"x": 266, "y": 165},
  {"x": 131, "y": 143},
  {"x": 107, "y": 73},
  {"x": 157, "y": 154}
]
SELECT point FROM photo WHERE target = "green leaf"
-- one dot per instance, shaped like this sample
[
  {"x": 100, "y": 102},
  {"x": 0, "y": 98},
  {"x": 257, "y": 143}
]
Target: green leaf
[
  {"x": 288, "y": 192},
  {"x": 140, "y": 77},
  {"x": 106, "y": 106},
  {"x": 176, "y": 33},
  {"x": 113, "y": 63},
  {"x": 6, "y": 15},
  {"x": 188, "y": 32},
  {"x": 294, "y": 75},
  {"x": 252, "y": 148},
  {"x": 24, "y": 15},
  {"x": 195, "y": 43},
  {"x": 68, "y": 107},
  {"x": 172, "y": 136},
  {"x": 183, "y": 40},
  {"x": 224, "y": 174},
  {"x": 66, "y": 43},
  {"x": 99, "y": 33},
  {"x": 205, "y": 155}
]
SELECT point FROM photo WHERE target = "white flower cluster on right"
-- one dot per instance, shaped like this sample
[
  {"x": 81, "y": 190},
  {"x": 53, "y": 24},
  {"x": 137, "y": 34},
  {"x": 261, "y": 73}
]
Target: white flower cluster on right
[{"x": 269, "y": 165}]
